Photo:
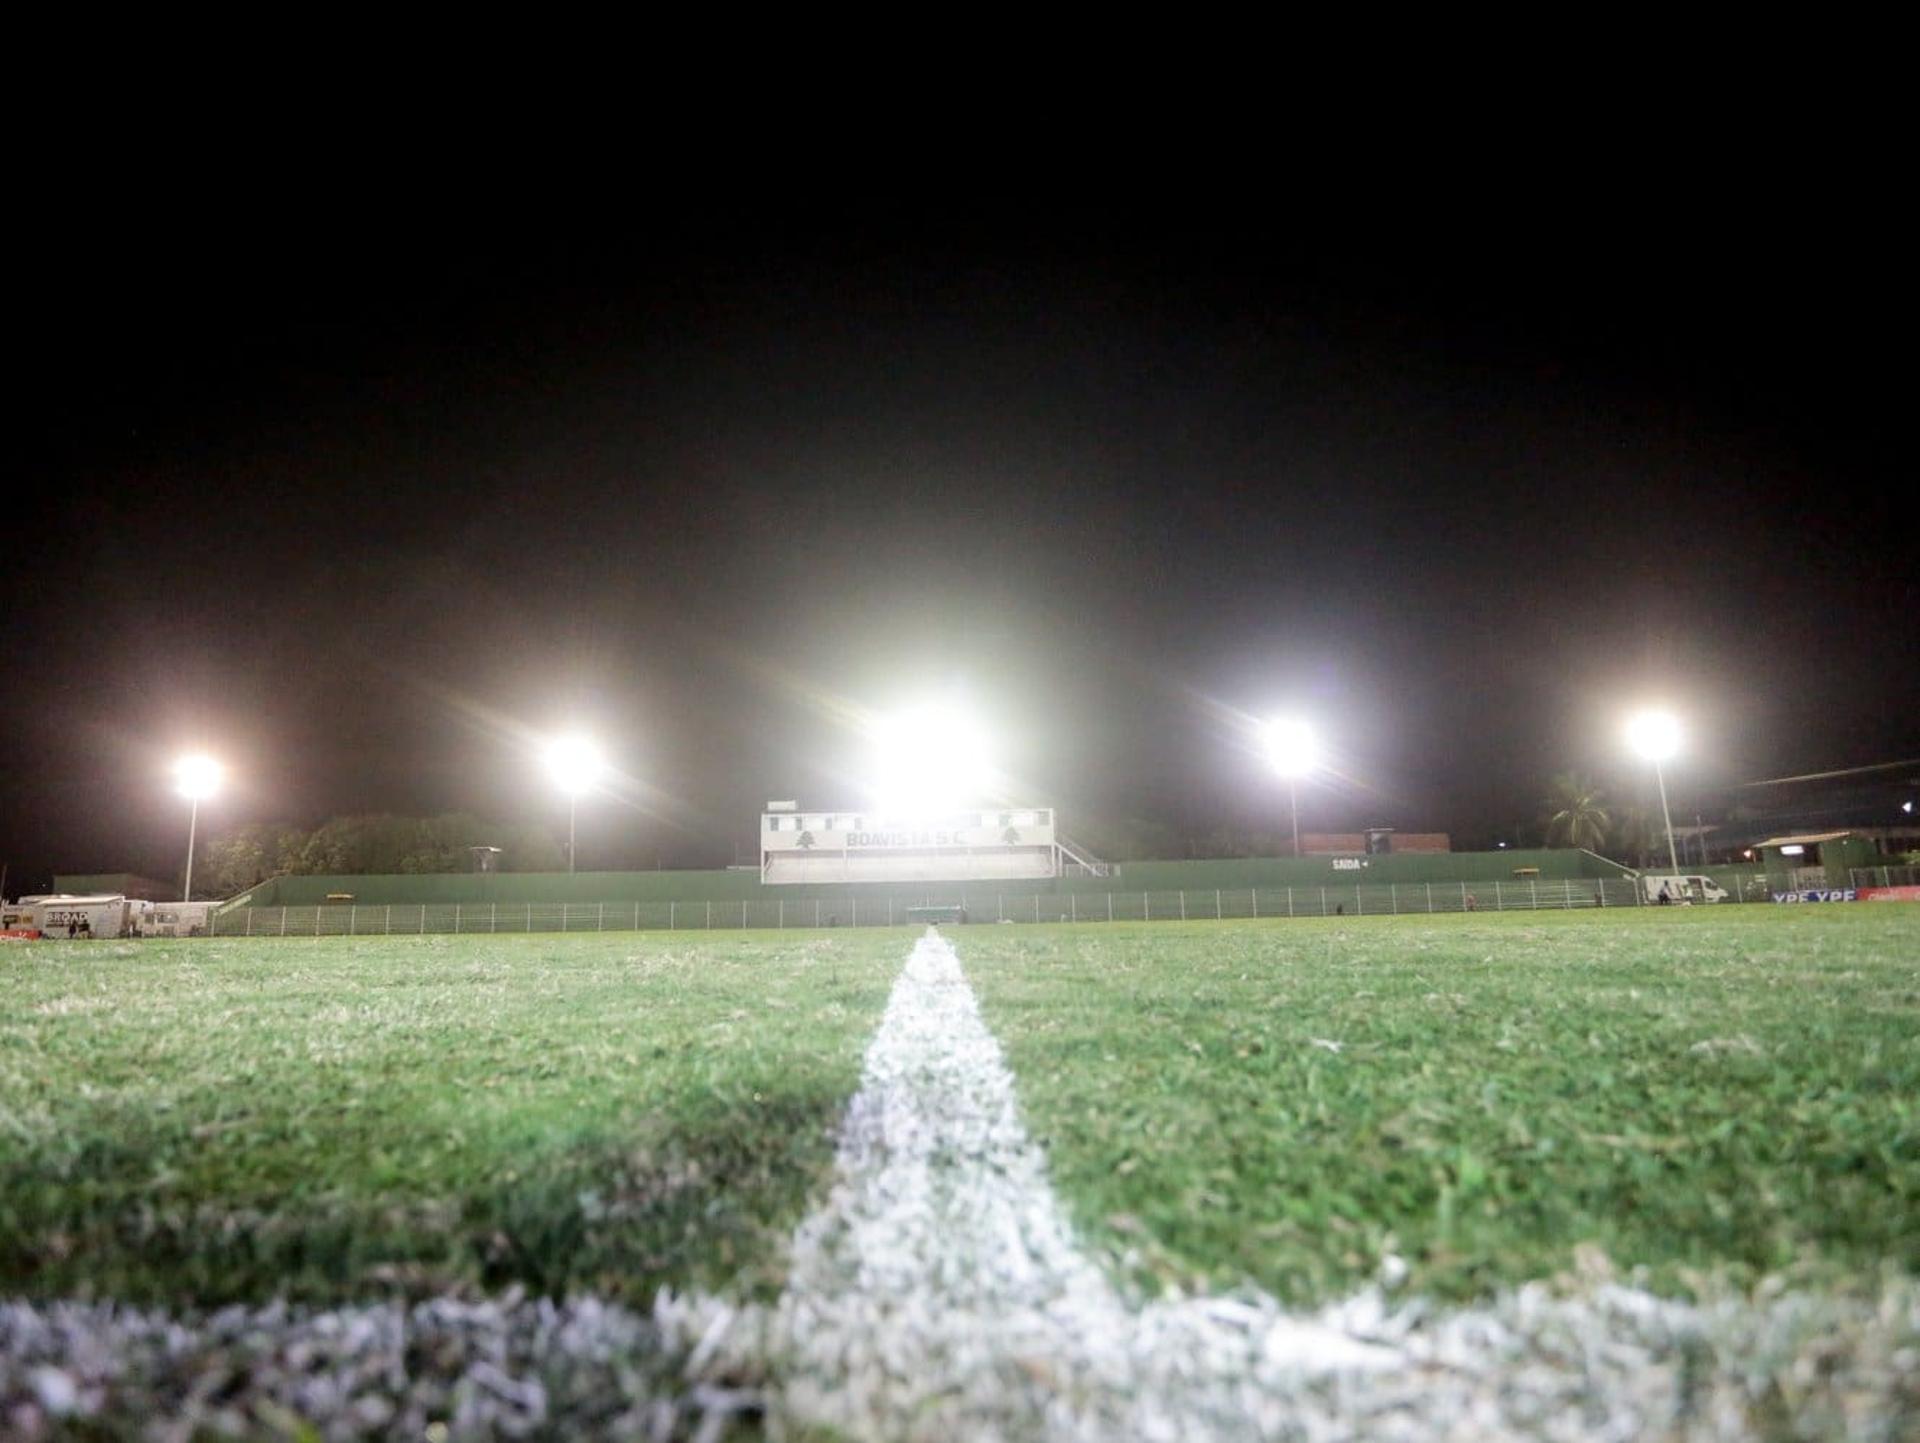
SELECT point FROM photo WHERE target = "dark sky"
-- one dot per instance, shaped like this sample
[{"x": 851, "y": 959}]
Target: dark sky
[{"x": 359, "y": 504}]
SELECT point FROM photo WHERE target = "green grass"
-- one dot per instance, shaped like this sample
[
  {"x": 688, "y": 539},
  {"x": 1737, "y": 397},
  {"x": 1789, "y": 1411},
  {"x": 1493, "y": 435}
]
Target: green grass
[
  {"x": 1711, "y": 1092},
  {"x": 196, "y": 1122}
]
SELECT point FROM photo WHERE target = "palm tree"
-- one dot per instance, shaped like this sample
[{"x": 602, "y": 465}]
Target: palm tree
[{"x": 1575, "y": 814}]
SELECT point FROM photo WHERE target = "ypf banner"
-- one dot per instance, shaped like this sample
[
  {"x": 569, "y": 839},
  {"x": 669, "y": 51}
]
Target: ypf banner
[{"x": 1818, "y": 894}]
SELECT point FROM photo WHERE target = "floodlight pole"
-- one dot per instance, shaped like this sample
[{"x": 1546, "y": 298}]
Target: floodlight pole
[
  {"x": 573, "y": 820},
  {"x": 193, "y": 824},
  {"x": 1660, "y": 776},
  {"x": 1293, "y": 796}
]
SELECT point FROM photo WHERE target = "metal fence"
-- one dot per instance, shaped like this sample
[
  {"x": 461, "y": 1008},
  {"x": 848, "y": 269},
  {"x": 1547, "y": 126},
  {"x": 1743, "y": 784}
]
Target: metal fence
[
  {"x": 348, "y": 920},
  {"x": 1885, "y": 877}
]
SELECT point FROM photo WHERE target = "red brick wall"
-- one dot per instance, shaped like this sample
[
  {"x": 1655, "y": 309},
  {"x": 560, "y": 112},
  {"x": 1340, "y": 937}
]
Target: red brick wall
[{"x": 1323, "y": 844}]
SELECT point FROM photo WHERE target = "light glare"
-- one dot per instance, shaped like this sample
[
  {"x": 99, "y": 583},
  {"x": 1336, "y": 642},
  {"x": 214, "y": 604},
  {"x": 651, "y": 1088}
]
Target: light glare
[
  {"x": 197, "y": 777},
  {"x": 574, "y": 763},
  {"x": 1292, "y": 748},
  {"x": 930, "y": 759},
  {"x": 1655, "y": 735}
]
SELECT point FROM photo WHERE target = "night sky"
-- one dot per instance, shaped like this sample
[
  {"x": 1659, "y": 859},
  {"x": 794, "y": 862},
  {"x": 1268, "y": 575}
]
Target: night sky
[{"x": 363, "y": 506}]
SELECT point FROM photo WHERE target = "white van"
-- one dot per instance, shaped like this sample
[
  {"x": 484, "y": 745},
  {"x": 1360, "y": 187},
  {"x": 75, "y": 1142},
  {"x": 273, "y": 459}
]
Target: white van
[{"x": 1682, "y": 889}]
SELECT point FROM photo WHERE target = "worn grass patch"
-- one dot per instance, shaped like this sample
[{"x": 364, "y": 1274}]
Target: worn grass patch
[
  {"x": 197, "y": 1122},
  {"x": 1725, "y": 1092}
]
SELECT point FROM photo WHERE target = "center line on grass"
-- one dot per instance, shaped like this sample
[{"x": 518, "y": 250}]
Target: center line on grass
[{"x": 939, "y": 1290}]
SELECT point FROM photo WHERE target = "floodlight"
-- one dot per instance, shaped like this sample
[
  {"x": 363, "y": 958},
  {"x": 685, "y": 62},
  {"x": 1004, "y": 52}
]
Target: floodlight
[
  {"x": 930, "y": 758},
  {"x": 197, "y": 776},
  {"x": 1907, "y": 807},
  {"x": 575, "y": 763},
  {"x": 1292, "y": 748},
  {"x": 1655, "y": 735}
]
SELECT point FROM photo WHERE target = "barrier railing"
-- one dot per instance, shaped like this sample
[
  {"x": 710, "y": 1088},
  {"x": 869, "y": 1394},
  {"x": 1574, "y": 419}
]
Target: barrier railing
[
  {"x": 1892, "y": 876},
  {"x": 1383, "y": 899}
]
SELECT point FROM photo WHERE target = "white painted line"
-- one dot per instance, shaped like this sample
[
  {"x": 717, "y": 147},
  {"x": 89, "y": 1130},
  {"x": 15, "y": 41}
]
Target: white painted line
[{"x": 939, "y": 1291}]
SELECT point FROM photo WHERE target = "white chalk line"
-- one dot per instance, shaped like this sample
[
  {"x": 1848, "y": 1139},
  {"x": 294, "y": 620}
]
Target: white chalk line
[
  {"x": 940, "y": 1286},
  {"x": 939, "y": 1293}
]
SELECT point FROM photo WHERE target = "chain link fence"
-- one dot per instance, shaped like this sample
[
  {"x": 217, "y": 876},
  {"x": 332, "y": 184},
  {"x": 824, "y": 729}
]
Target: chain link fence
[{"x": 348, "y": 920}]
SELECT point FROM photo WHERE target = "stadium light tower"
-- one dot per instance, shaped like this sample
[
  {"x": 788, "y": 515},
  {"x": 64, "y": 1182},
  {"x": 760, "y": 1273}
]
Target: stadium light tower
[
  {"x": 1293, "y": 750},
  {"x": 195, "y": 777},
  {"x": 575, "y": 764},
  {"x": 1655, "y": 735}
]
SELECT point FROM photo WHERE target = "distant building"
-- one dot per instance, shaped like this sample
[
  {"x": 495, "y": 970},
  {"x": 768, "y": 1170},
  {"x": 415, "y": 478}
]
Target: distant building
[
  {"x": 1877, "y": 804},
  {"x": 1815, "y": 859},
  {"x": 1373, "y": 842},
  {"x": 856, "y": 845}
]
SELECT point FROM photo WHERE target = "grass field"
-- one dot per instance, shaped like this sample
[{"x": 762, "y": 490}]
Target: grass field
[
  {"x": 1714, "y": 1093},
  {"x": 1709, "y": 1092},
  {"x": 198, "y": 1122},
  {"x": 419, "y": 1141}
]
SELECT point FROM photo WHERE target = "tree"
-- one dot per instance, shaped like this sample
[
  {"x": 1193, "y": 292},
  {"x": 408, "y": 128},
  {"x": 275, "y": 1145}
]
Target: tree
[
  {"x": 247, "y": 856},
  {"x": 1575, "y": 814}
]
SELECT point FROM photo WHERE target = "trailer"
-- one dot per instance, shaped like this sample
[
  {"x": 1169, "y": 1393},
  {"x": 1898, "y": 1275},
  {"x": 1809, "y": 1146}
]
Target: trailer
[
  {"x": 65, "y": 916},
  {"x": 169, "y": 919}
]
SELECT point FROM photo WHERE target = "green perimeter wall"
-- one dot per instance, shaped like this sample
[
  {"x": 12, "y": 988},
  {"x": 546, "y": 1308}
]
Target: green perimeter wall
[{"x": 517, "y": 888}]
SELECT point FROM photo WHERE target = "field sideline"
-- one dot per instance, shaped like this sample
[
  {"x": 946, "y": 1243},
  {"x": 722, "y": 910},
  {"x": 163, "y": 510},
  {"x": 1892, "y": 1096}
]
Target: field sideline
[{"x": 1714, "y": 1103}]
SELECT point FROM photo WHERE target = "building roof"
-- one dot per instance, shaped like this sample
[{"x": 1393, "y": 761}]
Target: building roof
[{"x": 1807, "y": 839}]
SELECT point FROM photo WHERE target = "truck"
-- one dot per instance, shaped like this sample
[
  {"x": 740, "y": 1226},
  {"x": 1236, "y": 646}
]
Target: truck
[
  {"x": 169, "y": 919},
  {"x": 98, "y": 915},
  {"x": 105, "y": 915},
  {"x": 1686, "y": 889}
]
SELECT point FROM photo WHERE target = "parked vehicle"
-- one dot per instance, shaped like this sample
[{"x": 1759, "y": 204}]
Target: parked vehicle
[
  {"x": 1682, "y": 888},
  {"x": 103, "y": 915},
  {"x": 169, "y": 919}
]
